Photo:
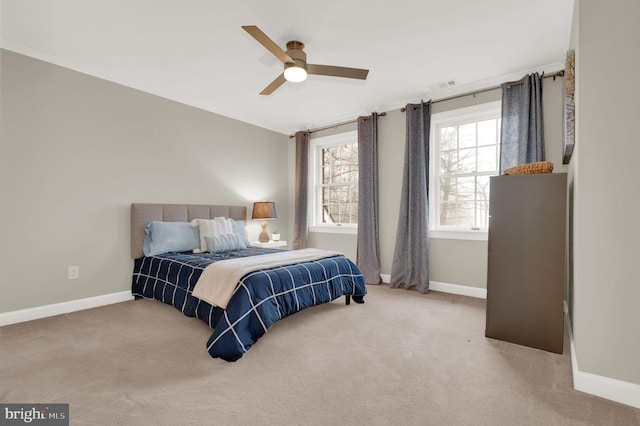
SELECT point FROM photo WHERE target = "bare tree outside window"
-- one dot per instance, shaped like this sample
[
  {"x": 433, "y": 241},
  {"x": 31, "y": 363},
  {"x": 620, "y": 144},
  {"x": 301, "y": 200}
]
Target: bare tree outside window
[
  {"x": 339, "y": 184},
  {"x": 468, "y": 156},
  {"x": 333, "y": 178}
]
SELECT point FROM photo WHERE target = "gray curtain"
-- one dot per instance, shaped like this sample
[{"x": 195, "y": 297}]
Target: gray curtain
[
  {"x": 368, "y": 258},
  {"x": 522, "y": 133},
  {"x": 302, "y": 190},
  {"x": 410, "y": 267}
]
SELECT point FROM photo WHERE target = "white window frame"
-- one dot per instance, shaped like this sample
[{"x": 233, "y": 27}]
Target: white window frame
[
  {"x": 315, "y": 175},
  {"x": 453, "y": 117}
]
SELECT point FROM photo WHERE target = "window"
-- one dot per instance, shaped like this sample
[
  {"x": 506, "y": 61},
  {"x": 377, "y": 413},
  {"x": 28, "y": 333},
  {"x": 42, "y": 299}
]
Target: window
[
  {"x": 465, "y": 153},
  {"x": 333, "y": 196}
]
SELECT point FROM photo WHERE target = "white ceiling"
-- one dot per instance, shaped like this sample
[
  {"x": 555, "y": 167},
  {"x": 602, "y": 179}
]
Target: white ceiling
[{"x": 194, "y": 51}]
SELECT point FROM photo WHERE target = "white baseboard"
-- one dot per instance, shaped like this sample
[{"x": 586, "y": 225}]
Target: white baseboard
[
  {"x": 463, "y": 290},
  {"x": 615, "y": 390},
  {"x": 23, "y": 315}
]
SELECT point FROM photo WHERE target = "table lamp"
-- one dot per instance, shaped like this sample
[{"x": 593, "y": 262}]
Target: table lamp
[{"x": 264, "y": 210}]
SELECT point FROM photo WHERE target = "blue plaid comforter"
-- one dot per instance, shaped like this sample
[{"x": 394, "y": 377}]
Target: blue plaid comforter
[{"x": 261, "y": 298}]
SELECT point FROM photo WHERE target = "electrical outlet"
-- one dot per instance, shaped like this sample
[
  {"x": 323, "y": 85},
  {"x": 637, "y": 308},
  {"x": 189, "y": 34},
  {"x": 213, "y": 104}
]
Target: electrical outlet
[{"x": 74, "y": 272}]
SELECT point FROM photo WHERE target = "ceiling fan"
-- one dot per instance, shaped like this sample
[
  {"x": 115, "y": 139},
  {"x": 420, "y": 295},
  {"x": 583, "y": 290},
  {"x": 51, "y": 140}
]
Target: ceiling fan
[{"x": 295, "y": 62}]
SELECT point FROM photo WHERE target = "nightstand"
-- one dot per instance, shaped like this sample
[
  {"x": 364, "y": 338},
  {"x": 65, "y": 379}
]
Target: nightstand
[{"x": 270, "y": 244}]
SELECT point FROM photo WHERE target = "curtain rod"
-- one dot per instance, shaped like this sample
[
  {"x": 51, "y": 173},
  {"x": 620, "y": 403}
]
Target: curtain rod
[
  {"x": 488, "y": 89},
  {"x": 333, "y": 126},
  {"x": 403, "y": 109}
]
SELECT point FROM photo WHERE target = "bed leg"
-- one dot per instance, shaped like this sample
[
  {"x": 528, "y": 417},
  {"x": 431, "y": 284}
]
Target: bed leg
[{"x": 348, "y": 301}]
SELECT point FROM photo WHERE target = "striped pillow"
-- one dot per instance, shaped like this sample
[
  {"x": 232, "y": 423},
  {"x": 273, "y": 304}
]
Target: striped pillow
[
  {"x": 224, "y": 242},
  {"x": 210, "y": 228}
]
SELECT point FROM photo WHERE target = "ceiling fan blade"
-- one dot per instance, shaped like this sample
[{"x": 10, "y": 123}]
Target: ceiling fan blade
[
  {"x": 269, "y": 44},
  {"x": 274, "y": 85},
  {"x": 358, "y": 73}
]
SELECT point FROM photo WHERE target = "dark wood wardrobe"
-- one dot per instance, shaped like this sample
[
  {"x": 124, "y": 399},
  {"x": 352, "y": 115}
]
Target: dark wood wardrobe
[{"x": 525, "y": 285}]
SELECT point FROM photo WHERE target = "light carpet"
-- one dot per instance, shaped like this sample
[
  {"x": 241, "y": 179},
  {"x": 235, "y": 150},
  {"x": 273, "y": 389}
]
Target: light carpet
[{"x": 402, "y": 358}]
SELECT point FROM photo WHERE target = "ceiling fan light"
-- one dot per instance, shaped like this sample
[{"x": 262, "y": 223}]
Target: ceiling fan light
[{"x": 295, "y": 74}]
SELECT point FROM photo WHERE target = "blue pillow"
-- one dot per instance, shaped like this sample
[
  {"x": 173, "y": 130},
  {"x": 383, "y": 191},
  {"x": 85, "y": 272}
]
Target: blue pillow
[
  {"x": 240, "y": 228},
  {"x": 224, "y": 242},
  {"x": 165, "y": 237}
]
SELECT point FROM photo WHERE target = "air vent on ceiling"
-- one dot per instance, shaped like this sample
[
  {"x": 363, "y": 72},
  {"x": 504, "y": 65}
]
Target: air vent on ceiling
[{"x": 443, "y": 85}]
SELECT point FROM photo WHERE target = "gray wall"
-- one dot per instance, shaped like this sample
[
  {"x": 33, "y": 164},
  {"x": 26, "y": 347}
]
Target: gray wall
[
  {"x": 460, "y": 262},
  {"x": 75, "y": 151},
  {"x": 605, "y": 286}
]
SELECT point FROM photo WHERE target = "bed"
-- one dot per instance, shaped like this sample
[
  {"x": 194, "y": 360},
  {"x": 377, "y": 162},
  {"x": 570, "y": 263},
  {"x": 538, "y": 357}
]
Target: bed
[{"x": 273, "y": 289}]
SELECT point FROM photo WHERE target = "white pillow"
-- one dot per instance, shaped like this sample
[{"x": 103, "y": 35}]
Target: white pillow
[{"x": 211, "y": 228}]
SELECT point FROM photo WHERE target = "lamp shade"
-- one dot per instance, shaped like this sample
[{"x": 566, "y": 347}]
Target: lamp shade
[{"x": 264, "y": 210}]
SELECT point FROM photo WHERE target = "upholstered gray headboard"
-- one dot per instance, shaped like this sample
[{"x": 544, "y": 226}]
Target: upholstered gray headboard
[{"x": 142, "y": 214}]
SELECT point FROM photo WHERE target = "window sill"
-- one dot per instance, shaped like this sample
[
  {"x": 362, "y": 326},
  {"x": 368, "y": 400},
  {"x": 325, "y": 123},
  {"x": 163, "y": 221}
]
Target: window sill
[
  {"x": 460, "y": 235},
  {"x": 334, "y": 229}
]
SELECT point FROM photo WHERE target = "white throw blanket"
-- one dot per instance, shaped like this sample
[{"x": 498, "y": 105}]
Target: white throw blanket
[{"x": 219, "y": 280}]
